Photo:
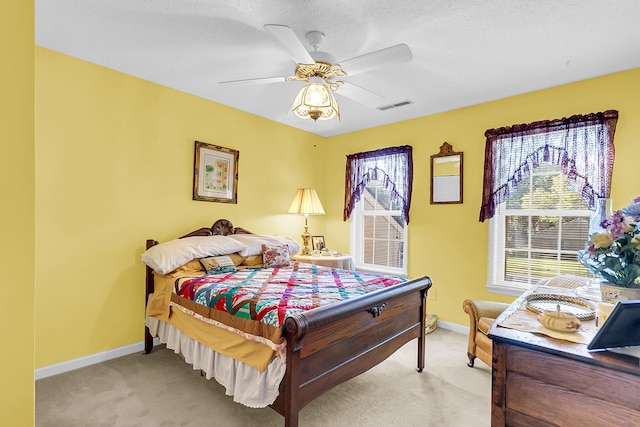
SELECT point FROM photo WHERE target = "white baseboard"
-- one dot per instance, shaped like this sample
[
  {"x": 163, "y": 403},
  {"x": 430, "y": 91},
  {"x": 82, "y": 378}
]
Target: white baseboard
[
  {"x": 92, "y": 359},
  {"x": 81, "y": 362},
  {"x": 453, "y": 327}
]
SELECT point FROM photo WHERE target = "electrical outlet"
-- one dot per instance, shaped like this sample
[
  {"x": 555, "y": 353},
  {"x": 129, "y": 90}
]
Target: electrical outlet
[{"x": 431, "y": 295}]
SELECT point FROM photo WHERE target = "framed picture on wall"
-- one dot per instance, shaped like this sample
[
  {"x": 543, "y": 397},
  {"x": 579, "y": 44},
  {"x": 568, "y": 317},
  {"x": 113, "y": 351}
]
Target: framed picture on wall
[
  {"x": 215, "y": 173},
  {"x": 317, "y": 242}
]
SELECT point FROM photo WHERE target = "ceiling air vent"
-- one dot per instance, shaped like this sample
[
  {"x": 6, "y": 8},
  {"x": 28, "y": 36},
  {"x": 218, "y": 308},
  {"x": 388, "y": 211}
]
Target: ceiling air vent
[{"x": 390, "y": 106}]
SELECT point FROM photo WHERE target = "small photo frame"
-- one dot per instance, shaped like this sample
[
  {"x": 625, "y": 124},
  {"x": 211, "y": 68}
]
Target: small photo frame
[
  {"x": 317, "y": 243},
  {"x": 215, "y": 173}
]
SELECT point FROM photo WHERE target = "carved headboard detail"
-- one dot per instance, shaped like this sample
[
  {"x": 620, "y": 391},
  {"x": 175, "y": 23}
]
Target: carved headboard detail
[{"x": 222, "y": 227}]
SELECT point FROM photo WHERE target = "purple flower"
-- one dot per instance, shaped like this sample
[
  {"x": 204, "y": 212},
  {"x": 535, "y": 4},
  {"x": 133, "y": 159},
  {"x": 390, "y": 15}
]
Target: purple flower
[
  {"x": 615, "y": 254},
  {"x": 633, "y": 209},
  {"x": 616, "y": 225}
]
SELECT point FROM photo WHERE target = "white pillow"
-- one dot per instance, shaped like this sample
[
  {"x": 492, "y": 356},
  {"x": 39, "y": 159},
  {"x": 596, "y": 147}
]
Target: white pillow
[
  {"x": 170, "y": 255},
  {"x": 253, "y": 243}
]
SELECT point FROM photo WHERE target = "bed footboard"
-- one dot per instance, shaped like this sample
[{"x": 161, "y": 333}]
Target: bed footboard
[{"x": 333, "y": 344}]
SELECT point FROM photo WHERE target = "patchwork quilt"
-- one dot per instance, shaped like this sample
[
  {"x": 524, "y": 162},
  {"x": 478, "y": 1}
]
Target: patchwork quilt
[{"x": 269, "y": 295}]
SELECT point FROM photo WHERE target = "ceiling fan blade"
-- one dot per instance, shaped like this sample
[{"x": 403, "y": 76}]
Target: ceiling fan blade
[
  {"x": 288, "y": 39},
  {"x": 280, "y": 79},
  {"x": 361, "y": 95},
  {"x": 393, "y": 55}
]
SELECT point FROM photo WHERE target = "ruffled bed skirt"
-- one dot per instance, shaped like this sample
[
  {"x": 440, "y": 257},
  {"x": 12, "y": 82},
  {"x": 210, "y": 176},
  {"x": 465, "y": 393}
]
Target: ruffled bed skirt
[{"x": 245, "y": 383}]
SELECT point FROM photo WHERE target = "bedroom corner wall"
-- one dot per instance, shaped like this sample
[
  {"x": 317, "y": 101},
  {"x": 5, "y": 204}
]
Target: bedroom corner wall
[
  {"x": 114, "y": 167},
  {"x": 17, "y": 188},
  {"x": 446, "y": 242},
  {"x": 114, "y": 159}
]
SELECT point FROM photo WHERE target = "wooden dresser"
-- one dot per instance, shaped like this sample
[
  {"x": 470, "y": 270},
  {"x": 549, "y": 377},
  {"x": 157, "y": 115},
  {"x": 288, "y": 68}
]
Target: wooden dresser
[{"x": 541, "y": 381}]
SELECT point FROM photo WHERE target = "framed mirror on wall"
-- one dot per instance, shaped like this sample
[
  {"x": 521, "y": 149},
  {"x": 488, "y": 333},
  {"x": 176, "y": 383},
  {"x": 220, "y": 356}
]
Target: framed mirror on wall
[{"x": 446, "y": 176}]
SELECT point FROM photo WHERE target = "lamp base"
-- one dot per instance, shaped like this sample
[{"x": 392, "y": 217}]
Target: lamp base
[{"x": 305, "y": 243}]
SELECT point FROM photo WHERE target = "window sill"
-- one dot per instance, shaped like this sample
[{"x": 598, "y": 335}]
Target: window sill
[
  {"x": 380, "y": 270},
  {"x": 505, "y": 289}
]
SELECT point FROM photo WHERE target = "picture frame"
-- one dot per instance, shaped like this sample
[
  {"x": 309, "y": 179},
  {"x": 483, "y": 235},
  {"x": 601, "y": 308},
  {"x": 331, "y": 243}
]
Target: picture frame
[
  {"x": 317, "y": 243},
  {"x": 446, "y": 176},
  {"x": 215, "y": 173}
]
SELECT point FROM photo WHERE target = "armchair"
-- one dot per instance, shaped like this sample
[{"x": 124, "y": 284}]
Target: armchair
[{"x": 481, "y": 316}]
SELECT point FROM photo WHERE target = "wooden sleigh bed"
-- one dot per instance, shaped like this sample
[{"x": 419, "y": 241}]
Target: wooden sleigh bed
[{"x": 331, "y": 344}]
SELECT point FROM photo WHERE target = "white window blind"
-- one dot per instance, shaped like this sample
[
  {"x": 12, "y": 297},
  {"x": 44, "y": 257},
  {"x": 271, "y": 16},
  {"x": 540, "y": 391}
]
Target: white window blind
[
  {"x": 379, "y": 232},
  {"x": 537, "y": 232}
]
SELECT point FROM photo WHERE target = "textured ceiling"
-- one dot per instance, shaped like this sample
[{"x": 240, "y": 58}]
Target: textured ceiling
[{"x": 464, "y": 52}]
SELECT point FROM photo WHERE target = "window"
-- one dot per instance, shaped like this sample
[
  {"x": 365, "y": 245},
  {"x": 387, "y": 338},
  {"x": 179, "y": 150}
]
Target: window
[
  {"x": 541, "y": 182},
  {"x": 537, "y": 232},
  {"x": 378, "y": 232},
  {"x": 377, "y": 199}
]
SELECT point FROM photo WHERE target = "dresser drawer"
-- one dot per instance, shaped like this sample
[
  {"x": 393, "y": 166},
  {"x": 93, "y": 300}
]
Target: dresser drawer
[{"x": 562, "y": 391}]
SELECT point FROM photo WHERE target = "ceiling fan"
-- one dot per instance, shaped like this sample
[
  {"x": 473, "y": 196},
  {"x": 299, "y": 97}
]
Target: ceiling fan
[{"x": 324, "y": 75}]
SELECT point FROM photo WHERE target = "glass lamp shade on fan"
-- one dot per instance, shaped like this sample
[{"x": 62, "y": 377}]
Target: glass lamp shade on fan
[
  {"x": 315, "y": 101},
  {"x": 603, "y": 211}
]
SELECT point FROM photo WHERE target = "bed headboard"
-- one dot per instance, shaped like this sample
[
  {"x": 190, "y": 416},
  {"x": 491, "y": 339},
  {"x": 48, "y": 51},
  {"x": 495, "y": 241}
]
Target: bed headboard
[{"x": 222, "y": 227}]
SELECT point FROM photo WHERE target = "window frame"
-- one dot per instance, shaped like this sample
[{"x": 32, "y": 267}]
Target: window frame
[
  {"x": 357, "y": 240},
  {"x": 582, "y": 145},
  {"x": 497, "y": 241}
]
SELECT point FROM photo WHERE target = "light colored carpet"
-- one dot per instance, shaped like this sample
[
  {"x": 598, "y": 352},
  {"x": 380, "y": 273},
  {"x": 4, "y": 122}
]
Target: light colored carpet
[{"x": 160, "y": 389}]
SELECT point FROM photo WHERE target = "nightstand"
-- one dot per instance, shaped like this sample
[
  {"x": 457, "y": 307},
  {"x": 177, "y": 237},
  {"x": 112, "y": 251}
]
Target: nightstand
[{"x": 344, "y": 262}]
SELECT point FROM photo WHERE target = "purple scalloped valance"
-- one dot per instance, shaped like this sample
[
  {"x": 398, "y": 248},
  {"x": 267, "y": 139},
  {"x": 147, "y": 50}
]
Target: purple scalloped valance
[
  {"x": 392, "y": 166},
  {"x": 581, "y": 145}
]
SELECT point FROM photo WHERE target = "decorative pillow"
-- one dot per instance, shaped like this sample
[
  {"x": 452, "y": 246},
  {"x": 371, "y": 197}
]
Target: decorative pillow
[
  {"x": 218, "y": 264},
  {"x": 170, "y": 255},
  {"x": 254, "y": 242},
  {"x": 275, "y": 256}
]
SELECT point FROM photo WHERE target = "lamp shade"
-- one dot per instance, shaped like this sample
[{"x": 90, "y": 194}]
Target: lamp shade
[
  {"x": 306, "y": 202},
  {"x": 315, "y": 101}
]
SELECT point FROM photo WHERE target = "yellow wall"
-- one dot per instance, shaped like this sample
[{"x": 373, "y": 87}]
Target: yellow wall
[
  {"x": 114, "y": 166},
  {"x": 446, "y": 242},
  {"x": 17, "y": 192}
]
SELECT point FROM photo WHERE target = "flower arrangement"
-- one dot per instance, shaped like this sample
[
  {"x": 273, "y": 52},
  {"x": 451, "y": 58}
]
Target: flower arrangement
[{"x": 615, "y": 253}]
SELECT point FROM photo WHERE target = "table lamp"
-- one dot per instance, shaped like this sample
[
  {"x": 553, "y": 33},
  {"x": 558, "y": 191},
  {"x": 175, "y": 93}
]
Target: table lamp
[{"x": 306, "y": 202}]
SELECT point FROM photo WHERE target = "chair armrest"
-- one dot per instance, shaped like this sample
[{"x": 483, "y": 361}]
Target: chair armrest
[{"x": 480, "y": 308}]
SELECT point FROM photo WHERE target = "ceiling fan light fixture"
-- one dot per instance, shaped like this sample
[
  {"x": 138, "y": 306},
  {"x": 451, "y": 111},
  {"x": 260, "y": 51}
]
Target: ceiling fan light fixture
[{"x": 315, "y": 101}]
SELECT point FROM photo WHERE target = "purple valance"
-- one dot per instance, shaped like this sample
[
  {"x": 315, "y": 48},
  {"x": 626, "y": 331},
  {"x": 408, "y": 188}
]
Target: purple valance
[
  {"x": 392, "y": 166},
  {"x": 582, "y": 145}
]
